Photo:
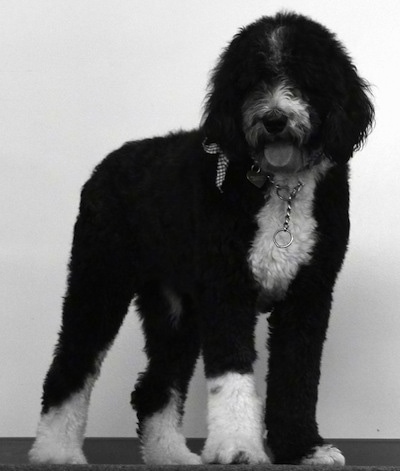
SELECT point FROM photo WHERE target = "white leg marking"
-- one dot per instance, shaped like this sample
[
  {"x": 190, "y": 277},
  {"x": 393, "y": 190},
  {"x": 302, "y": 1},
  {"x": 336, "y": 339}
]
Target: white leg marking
[
  {"x": 61, "y": 431},
  {"x": 235, "y": 425},
  {"x": 324, "y": 455},
  {"x": 162, "y": 438}
]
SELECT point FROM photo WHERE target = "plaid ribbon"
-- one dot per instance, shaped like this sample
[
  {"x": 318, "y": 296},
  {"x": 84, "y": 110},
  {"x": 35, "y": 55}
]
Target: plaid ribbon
[{"x": 222, "y": 164}]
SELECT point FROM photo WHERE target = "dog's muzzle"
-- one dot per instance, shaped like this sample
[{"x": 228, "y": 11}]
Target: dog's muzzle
[{"x": 278, "y": 151}]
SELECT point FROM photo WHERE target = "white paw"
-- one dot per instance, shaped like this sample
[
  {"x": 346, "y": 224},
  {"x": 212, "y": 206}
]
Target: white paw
[
  {"x": 325, "y": 455},
  {"x": 163, "y": 454},
  {"x": 162, "y": 440},
  {"x": 235, "y": 421},
  {"x": 52, "y": 453},
  {"x": 233, "y": 451},
  {"x": 61, "y": 430},
  {"x": 188, "y": 458},
  {"x": 166, "y": 459}
]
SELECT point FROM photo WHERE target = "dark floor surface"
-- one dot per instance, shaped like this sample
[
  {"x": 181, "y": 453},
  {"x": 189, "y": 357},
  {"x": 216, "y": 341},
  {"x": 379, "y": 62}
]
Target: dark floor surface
[{"x": 123, "y": 454}]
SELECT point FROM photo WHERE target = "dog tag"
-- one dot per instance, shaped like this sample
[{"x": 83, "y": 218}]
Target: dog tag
[
  {"x": 256, "y": 178},
  {"x": 283, "y": 238}
]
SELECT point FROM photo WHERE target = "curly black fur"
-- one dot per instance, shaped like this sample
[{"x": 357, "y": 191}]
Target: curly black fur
[{"x": 152, "y": 219}]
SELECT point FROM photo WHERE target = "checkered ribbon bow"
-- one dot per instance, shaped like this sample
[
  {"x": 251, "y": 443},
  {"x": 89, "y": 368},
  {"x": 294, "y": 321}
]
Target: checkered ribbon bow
[{"x": 222, "y": 164}]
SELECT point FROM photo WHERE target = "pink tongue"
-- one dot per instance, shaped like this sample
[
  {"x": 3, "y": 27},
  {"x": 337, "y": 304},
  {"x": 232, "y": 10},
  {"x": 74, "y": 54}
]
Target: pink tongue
[{"x": 282, "y": 156}]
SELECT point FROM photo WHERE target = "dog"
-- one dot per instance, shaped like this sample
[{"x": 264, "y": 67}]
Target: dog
[{"x": 205, "y": 229}]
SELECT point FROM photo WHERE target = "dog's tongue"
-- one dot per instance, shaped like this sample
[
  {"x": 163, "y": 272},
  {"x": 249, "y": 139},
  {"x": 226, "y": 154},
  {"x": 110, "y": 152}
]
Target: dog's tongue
[{"x": 282, "y": 157}]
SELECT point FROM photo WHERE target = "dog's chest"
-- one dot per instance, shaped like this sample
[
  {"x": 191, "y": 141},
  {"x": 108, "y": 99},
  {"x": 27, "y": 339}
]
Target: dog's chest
[{"x": 274, "y": 267}]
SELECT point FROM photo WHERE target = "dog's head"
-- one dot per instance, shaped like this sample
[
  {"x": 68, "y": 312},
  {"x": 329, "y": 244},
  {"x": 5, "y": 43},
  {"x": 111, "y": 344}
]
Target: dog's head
[{"x": 286, "y": 93}]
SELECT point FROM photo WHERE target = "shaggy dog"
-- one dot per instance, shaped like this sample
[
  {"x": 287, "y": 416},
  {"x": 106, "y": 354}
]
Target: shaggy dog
[{"x": 206, "y": 228}]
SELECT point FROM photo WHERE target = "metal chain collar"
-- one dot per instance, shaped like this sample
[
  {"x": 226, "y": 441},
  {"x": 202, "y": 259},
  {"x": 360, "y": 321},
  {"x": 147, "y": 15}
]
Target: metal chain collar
[
  {"x": 257, "y": 178},
  {"x": 287, "y": 194}
]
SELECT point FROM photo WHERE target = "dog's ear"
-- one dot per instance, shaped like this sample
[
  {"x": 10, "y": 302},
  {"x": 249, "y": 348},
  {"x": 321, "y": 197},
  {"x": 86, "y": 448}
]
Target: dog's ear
[
  {"x": 219, "y": 121},
  {"x": 348, "y": 124},
  {"x": 235, "y": 73}
]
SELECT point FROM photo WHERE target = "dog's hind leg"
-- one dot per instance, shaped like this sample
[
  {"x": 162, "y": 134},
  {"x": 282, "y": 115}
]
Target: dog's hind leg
[
  {"x": 98, "y": 296},
  {"x": 172, "y": 347}
]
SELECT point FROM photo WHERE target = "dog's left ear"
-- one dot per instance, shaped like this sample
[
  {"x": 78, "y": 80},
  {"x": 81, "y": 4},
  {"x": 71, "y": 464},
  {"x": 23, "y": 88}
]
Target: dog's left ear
[
  {"x": 348, "y": 124},
  {"x": 235, "y": 73},
  {"x": 219, "y": 121}
]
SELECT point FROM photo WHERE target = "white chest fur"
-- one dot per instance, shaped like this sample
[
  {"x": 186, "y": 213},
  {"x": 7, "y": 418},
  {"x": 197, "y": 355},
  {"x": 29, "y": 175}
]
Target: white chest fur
[{"x": 273, "y": 267}]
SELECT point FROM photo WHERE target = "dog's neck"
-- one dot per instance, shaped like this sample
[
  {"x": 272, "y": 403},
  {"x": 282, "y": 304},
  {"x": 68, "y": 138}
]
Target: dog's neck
[
  {"x": 285, "y": 187},
  {"x": 255, "y": 175}
]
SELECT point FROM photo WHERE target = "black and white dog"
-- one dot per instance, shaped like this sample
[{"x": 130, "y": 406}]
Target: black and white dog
[{"x": 206, "y": 228}]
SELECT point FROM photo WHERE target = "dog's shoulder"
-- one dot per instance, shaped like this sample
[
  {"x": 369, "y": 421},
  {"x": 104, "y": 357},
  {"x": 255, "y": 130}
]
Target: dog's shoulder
[{"x": 164, "y": 173}]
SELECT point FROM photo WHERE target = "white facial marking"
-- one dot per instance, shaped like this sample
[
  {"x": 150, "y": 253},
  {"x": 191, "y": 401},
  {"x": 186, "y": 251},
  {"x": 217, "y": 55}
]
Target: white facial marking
[
  {"x": 282, "y": 97},
  {"x": 276, "y": 44},
  {"x": 162, "y": 439},
  {"x": 235, "y": 421},
  {"x": 274, "y": 268},
  {"x": 324, "y": 455}
]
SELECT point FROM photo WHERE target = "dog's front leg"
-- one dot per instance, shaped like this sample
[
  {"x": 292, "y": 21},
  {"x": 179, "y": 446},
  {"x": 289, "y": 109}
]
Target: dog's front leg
[
  {"x": 297, "y": 332},
  {"x": 235, "y": 430},
  {"x": 298, "y": 327},
  {"x": 235, "y": 412}
]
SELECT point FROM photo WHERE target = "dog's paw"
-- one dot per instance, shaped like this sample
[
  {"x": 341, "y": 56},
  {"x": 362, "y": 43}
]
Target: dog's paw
[
  {"x": 233, "y": 451},
  {"x": 324, "y": 455},
  {"x": 167, "y": 448},
  {"x": 187, "y": 458},
  {"x": 46, "y": 453},
  {"x": 167, "y": 456}
]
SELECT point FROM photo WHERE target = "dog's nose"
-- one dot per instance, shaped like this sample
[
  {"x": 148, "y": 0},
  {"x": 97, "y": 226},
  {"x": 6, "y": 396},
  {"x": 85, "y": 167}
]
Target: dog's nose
[{"x": 275, "y": 123}]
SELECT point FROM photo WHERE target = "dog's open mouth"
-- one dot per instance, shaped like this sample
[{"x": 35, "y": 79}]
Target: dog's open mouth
[{"x": 282, "y": 157}]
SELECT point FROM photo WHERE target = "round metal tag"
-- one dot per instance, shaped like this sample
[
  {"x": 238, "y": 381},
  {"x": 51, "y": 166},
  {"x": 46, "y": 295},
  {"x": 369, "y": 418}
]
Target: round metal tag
[{"x": 282, "y": 244}]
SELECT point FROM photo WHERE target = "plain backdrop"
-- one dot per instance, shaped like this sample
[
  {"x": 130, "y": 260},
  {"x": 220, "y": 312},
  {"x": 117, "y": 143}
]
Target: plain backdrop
[{"x": 80, "y": 77}]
